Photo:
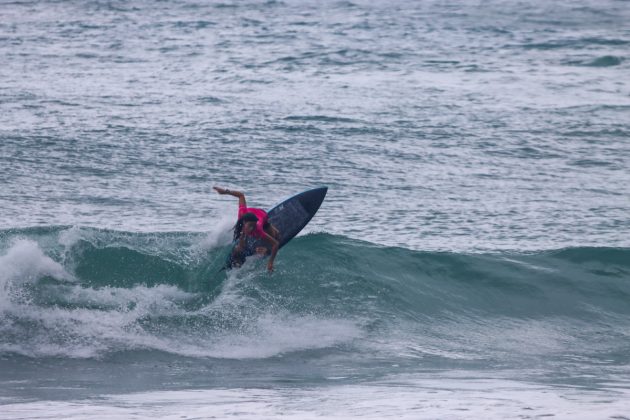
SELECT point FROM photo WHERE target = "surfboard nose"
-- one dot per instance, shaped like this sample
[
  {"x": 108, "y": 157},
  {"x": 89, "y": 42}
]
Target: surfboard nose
[{"x": 312, "y": 199}]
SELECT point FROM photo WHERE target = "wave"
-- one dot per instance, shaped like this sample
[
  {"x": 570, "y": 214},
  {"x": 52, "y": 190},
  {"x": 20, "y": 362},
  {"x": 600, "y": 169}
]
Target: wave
[
  {"x": 83, "y": 292},
  {"x": 575, "y": 43},
  {"x": 603, "y": 61}
]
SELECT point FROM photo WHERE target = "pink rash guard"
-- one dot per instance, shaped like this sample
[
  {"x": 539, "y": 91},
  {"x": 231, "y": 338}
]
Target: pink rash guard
[{"x": 262, "y": 219}]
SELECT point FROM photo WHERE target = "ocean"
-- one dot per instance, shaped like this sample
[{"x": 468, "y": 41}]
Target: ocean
[{"x": 471, "y": 259}]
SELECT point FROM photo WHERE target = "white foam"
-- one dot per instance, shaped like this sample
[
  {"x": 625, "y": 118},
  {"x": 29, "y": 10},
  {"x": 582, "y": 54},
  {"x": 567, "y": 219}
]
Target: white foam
[
  {"x": 237, "y": 281},
  {"x": 268, "y": 331},
  {"x": 159, "y": 298},
  {"x": 274, "y": 334},
  {"x": 221, "y": 232},
  {"x": 89, "y": 332},
  {"x": 25, "y": 262},
  {"x": 69, "y": 237},
  {"x": 218, "y": 236},
  {"x": 445, "y": 397}
]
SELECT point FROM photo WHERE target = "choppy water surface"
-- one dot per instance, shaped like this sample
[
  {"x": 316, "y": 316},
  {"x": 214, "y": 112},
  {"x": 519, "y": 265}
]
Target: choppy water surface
[{"x": 472, "y": 252}]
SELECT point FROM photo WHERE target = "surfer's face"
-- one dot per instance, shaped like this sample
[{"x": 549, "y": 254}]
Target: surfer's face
[{"x": 249, "y": 227}]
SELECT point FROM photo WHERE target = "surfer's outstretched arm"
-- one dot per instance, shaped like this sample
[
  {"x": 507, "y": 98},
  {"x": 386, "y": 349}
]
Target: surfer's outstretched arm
[
  {"x": 240, "y": 195},
  {"x": 274, "y": 250}
]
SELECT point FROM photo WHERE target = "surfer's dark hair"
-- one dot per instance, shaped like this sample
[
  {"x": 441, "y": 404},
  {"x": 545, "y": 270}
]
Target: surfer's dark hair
[{"x": 238, "y": 227}]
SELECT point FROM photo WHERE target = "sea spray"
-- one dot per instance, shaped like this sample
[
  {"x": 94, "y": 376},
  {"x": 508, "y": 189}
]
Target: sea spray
[{"x": 25, "y": 263}]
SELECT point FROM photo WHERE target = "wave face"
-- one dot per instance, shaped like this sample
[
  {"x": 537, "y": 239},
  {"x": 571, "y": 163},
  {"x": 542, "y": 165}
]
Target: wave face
[{"x": 84, "y": 293}]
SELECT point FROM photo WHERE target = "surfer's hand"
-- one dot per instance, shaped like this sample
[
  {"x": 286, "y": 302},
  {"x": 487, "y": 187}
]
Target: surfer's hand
[
  {"x": 270, "y": 266},
  {"x": 220, "y": 190}
]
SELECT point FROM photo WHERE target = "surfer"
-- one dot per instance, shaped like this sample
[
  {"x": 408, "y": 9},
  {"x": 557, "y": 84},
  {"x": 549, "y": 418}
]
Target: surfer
[{"x": 252, "y": 222}]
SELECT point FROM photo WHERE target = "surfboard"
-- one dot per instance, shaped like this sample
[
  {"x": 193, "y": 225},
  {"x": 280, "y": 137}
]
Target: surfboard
[{"x": 289, "y": 217}]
